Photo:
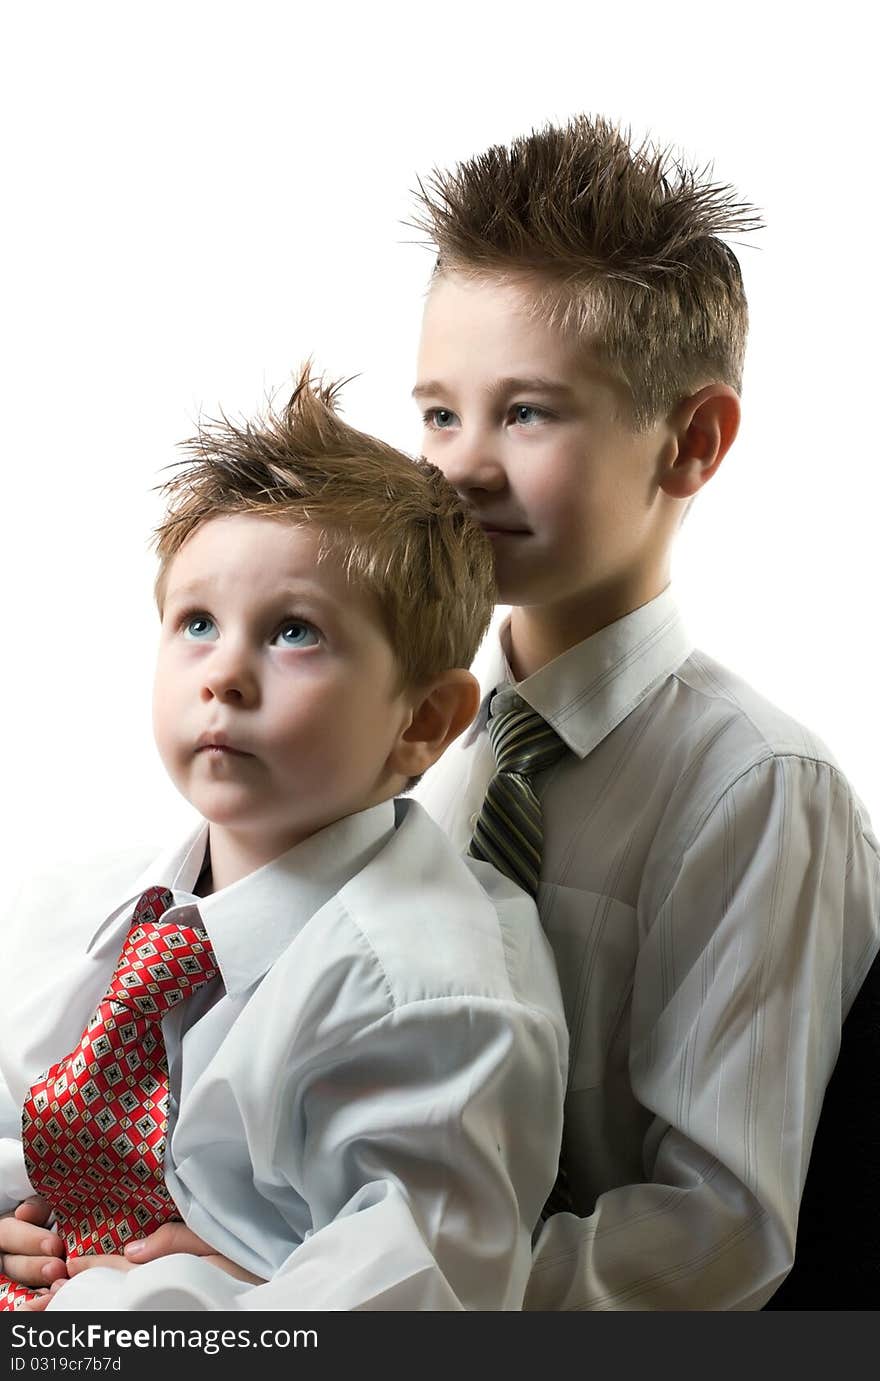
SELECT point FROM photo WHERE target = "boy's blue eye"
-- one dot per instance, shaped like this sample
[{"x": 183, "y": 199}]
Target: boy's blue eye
[
  {"x": 525, "y": 413},
  {"x": 296, "y": 634},
  {"x": 439, "y": 418},
  {"x": 200, "y": 628}
]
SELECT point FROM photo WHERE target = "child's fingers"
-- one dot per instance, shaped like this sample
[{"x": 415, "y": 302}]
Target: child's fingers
[
  {"x": 77, "y": 1264},
  {"x": 35, "y": 1209},
  {"x": 28, "y": 1270},
  {"x": 28, "y": 1254},
  {"x": 25, "y": 1238},
  {"x": 35, "y": 1306},
  {"x": 166, "y": 1240}
]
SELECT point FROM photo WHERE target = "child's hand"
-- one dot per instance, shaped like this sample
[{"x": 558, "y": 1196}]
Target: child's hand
[
  {"x": 165, "y": 1241},
  {"x": 77, "y": 1264},
  {"x": 40, "y": 1304},
  {"x": 30, "y": 1253},
  {"x": 177, "y": 1237},
  {"x": 168, "y": 1240}
]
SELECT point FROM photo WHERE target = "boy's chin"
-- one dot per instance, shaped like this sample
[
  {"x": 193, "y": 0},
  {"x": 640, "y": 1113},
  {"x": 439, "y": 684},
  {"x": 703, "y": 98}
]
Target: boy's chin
[{"x": 231, "y": 808}]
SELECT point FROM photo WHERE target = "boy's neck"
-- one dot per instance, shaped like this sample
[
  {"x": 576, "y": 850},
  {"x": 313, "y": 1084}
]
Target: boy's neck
[
  {"x": 232, "y": 854},
  {"x": 231, "y": 857},
  {"x": 541, "y": 632}
]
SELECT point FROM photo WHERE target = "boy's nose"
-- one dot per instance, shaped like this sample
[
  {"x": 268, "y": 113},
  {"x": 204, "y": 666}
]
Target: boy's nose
[
  {"x": 231, "y": 680},
  {"x": 471, "y": 464}
]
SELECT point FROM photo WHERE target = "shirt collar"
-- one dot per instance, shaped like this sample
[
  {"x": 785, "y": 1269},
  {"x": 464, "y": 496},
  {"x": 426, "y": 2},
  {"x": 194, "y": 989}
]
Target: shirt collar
[
  {"x": 590, "y": 689},
  {"x": 253, "y": 921},
  {"x": 177, "y": 868}
]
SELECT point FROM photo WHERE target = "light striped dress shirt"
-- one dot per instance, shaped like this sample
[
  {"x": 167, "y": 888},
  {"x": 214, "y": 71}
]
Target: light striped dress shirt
[
  {"x": 711, "y": 889},
  {"x": 346, "y": 1106}
]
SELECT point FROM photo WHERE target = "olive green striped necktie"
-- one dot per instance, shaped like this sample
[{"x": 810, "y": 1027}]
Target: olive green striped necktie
[{"x": 509, "y": 829}]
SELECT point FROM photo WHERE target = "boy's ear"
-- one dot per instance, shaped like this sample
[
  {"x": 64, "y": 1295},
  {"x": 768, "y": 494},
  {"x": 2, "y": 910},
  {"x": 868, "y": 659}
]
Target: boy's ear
[
  {"x": 441, "y": 711},
  {"x": 705, "y": 426}
]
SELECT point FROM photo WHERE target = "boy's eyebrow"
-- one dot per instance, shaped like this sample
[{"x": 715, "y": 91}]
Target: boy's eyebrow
[
  {"x": 191, "y": 587},
  {"x": 430, "y": 386},
  {"x": 511, "y": 384},
  {"x": 298, "y": 588},
  {"x": 533, "y": 384}
]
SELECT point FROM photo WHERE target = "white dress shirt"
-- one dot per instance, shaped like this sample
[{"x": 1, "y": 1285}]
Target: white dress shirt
[
  {"x": 346, "y": 1112},
  {"x": 711, "y": 889}
]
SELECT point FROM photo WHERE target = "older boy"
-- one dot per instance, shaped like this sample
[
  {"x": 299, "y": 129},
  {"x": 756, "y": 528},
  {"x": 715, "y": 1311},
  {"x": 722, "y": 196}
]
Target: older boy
[
  {"x": 353, "y": 1018},
  {"x": 708, "y": 880}
]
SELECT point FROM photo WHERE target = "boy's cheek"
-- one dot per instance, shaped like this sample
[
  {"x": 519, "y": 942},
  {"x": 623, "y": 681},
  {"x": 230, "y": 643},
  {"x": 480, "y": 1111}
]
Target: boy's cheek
[{"x": 168, "y": 735}]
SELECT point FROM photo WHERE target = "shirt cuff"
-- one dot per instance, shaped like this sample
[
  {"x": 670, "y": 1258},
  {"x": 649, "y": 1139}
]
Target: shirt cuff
[{"x": 173, "y": 1283}]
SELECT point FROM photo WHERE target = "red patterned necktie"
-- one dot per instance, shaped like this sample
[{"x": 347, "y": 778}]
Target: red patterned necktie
[{"x": 94, "y": 1125}]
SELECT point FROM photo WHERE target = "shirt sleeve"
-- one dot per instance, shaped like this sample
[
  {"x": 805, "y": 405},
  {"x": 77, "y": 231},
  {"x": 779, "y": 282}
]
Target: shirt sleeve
[
  {"x": 422, "y": 1176},
  {"x": 746, "y": 969},
  {"x": 14, "y": 1182}
]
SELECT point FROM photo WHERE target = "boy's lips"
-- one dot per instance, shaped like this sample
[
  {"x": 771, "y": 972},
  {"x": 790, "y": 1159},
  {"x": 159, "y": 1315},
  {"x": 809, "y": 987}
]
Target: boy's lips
[{"x": 219, "y": 743}]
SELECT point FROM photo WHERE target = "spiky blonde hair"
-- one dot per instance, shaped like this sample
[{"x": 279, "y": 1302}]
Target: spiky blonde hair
[
  {"x": 621, "y": 245},
  {"x": 394, "y": 524}
]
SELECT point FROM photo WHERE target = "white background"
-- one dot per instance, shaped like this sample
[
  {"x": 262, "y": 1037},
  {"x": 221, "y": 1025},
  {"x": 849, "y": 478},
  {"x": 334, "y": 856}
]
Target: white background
[{"x": 198, "y": 195}]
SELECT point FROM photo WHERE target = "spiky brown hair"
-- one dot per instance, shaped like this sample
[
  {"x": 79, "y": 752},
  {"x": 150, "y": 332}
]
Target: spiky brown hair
[
  {"x": 394, "y": 524},
  {"x": 621, "y": 243}
]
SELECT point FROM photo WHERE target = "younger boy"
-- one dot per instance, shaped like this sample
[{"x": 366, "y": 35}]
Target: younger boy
[
  {"x": 708, "y": 880},
  {"x": 362, "y": 1016}
]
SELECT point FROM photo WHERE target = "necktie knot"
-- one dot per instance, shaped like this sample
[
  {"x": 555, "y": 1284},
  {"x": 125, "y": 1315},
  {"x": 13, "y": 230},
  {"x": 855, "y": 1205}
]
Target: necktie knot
[
  {"x": 162, "y": 962},
  {"x": 522, "y": 741},
  {"x": 509, "y": 829}
]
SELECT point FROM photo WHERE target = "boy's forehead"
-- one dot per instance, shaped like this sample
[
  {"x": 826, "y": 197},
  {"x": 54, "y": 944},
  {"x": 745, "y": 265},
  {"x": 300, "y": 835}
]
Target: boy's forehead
[
  {"x": 458, "y": 296},
  {"x": 493, "y": 326},
  {"x": 221, "y": 535},
  {"x": 251, "y": 547}
]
